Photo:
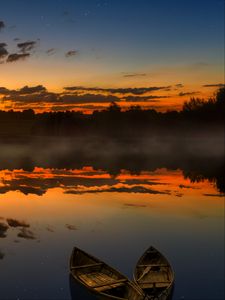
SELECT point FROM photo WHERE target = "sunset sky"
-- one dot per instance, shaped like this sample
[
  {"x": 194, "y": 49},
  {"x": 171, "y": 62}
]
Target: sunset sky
[{"x": 76, "y": 54}]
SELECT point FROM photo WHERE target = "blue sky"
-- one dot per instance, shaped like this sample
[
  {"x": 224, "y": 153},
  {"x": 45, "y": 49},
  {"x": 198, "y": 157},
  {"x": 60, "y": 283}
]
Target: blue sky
[{"x": 113, "y": 37}]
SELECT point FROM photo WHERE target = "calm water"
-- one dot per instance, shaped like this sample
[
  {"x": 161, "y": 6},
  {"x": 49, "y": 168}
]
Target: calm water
[{"x": 115, "y": 213}]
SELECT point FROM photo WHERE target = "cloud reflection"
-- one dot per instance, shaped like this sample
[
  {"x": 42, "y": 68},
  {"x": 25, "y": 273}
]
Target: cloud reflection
[
  {"x": 2, "y": 255},
  {"x": 3, "y": 230},
  {"x": 26, "y": 234}
]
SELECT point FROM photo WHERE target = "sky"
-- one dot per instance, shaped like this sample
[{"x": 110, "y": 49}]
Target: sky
[{"x": 84, "y": 54}]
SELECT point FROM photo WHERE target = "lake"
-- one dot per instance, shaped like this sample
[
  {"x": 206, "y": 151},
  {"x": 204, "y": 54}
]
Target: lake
[{"x": 113, "y": 206}]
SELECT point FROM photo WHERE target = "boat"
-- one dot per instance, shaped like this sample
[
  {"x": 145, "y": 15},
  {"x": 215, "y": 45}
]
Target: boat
[
  {"x": 102, "y": 280},
  {"x": 154, "y": 275}
]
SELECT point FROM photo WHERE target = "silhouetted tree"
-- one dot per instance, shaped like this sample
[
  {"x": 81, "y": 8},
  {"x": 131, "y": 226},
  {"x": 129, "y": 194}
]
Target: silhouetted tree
[{"x": 194, "y": 104}]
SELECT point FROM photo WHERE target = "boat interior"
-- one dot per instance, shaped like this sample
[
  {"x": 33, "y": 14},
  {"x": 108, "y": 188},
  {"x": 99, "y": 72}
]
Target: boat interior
[{"x": 101, "y": 278}]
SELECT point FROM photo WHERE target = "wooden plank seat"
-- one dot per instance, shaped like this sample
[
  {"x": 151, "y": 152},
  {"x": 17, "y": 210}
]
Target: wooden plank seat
[
  {"x": 86, "y": 266},
  {"x": 153, "y": 265}
]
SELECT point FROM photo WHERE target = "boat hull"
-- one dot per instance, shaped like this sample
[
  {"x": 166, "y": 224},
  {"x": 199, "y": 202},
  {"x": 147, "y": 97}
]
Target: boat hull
[
  {"x": 100, "y": 279},
  {"x": 154, "y": 275}
]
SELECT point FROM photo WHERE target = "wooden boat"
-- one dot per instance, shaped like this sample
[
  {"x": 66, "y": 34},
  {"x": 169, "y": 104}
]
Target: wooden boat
[
  {"x": 154, "y": 275},
  {"x": 101, "y": 279}
]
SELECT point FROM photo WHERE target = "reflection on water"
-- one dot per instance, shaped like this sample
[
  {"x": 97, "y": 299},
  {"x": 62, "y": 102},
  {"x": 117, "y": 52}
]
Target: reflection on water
[{"x": 114, "y": 211}]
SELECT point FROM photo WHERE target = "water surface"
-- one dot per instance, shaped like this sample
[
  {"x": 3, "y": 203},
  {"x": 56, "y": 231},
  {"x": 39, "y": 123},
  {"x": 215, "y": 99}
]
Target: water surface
[{"x": 115, "y": 215}]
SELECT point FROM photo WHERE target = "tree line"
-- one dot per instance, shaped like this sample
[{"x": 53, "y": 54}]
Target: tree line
[{"x": 196, "y": 115}]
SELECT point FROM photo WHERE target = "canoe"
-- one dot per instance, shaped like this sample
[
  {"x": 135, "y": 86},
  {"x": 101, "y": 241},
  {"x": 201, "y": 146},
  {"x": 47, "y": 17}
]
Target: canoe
[
  {"x": 154, "y": 275},
  {"x": 101, "y": 279}
]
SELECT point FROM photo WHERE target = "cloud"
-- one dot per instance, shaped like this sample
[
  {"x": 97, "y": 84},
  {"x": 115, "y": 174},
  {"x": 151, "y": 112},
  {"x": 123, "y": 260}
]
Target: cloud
[
  {"x": 128, "y": 75},
  {"x": 75, "y": 97},
  {"x": 3, "y": 51},
  {"x": 39, "y": 94},
  {"x": 218, "y": 85},
  {"x": 135, "y": 91},
  {"x": 71, "y": 53},
  {"x": 26, "y": 46},
  {"x": 144, "y": 98},
  {"x": 34, "y": 89},
  {"x": 51, "y": 51},
  {"x": 88, "y": 98},
  {"x": 26, "y": 95},
  {"x": 24, "y": 90},
  {"x": 23, "y": 47},
  {"x": 4, "y": 91},
  {"x": 16, "y": 57},
  {"x": 2, "y": 25},
  {"x": 181, "y": 94},
  {"x": 3, "y": 45},
  {"x": 17, "y": 223}
]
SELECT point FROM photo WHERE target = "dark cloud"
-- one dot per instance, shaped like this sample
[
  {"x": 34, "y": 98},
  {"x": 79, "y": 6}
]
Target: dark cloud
[
  {"x": 3, "y": 51},
  {"x": 71, "y": 227},
  {"x": 218, "y": 85},
  {"x": 135, "y": 91},
  {"x": 3, "y": 229},
  {"x": 71, "y": 53},
  {"x": 181, "y": 94},
  {"x": 143, "y": 98},
  {"x": 39, "y": 94},
  {"x": 23, "y": 53},
  {"x": 2, "y": 25},
  {"x": 17, "y": 223},
  {"x": 26, "y": 94},
  {"x": 3, "y": 45},
  {"x": 4, "y": 91},
  {"x": 26, "y": 234},
  {"x": 127, "y": 75},
  {"x": 16, "y": 57},
  {"x": 75, "y": 97},
  {"x": 16, "y": 39},
  {"x": 26, "y": 46},
  {"x": 33, "y": 98},
  {"x": 51, "y": 51},
  {"x": 31, "y": 90},
  {"x": 88, "y": 98},
  {"x": 124, "y": 189}
]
